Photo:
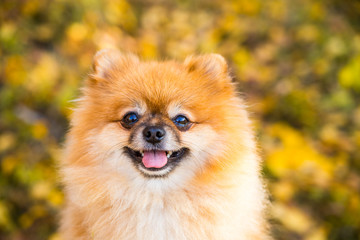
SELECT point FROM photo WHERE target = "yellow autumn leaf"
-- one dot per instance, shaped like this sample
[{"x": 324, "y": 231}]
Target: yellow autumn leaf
[
  {"x": 39, "y": 130},
  {"x": 319, "y": 233},
  {"x": 293, "y": 218},
  {"x": 77, "y": 32},
  {"x": 296, "y": 156},
  {"x": 41, "y": 190},
  {"x": 56, "y": 198},
  {"x": 8, "y": 164},
  {"x": 349, "y": 75}
]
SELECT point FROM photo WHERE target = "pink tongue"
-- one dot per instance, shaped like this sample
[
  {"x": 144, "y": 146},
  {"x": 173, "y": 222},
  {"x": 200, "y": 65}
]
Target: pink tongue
[{"x": 154, "y": 159}]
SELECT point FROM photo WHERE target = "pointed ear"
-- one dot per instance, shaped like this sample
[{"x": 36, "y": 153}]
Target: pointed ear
[
  {"x": 106, "y": 62},
  {"x": 212, "y": 65}
]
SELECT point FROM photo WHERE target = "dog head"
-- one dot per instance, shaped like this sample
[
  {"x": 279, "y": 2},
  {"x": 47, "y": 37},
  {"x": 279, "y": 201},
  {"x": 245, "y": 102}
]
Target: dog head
[{"x": 158, "y": 120}]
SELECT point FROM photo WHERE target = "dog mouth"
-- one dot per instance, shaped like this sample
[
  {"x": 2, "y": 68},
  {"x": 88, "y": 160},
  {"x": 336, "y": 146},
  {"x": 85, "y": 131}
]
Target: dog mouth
[{"x": 155, "y": 162}]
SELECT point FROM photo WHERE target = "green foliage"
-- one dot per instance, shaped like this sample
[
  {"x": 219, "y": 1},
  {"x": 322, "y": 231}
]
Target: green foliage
[{"x": 297, "y": 63}]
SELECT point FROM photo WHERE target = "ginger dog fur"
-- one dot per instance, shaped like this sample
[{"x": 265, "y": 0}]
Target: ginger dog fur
[{"x": 215, "y": 193}]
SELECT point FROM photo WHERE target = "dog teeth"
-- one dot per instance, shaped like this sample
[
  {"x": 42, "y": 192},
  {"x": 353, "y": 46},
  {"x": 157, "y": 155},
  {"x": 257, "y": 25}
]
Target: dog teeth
[
  {"x": 142, "y": 153},
  {"x": 169, "y": 154}
]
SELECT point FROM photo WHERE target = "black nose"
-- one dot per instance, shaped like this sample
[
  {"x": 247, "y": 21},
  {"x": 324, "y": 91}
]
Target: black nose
[{"x": 154, "y": 134}]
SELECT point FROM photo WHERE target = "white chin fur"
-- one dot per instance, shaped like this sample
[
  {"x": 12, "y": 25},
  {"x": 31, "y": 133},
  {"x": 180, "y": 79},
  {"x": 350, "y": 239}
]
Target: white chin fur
[{"x": 159, "y": 173}]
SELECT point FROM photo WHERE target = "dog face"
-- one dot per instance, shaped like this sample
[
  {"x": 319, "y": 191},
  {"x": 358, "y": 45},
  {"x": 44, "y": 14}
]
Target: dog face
[
  {"x": 155, "y": 141},
  {"x": 151, "y": 120}
]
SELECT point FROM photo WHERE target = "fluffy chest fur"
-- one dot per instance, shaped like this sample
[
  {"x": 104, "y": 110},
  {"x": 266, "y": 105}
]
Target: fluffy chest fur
[
  {"x": 152, "y": 217},
  {"x": 211, "y": 212}
]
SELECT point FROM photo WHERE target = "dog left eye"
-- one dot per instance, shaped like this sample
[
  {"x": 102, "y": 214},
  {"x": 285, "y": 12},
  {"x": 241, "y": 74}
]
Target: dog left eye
[
  {"x": 181, "y": 122},
  {"x": 129, "y": 120}
]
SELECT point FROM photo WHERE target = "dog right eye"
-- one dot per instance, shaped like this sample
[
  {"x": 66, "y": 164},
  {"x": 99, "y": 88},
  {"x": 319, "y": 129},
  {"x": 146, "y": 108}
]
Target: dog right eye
[{"x": 129, "y": 120}]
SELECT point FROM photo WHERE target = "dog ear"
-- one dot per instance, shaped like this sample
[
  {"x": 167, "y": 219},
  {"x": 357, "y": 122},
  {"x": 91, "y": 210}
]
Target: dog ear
[
  {"x": 108, "y": 62},
  {"x": 211, "y": 65}
]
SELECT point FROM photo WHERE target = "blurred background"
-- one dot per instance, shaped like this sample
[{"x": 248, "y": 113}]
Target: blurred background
[{"x": 297, "y": 63}]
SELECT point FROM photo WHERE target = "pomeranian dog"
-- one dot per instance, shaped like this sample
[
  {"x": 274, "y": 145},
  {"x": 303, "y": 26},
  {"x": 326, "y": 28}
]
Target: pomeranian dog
[{"x": 161, "y": 151}]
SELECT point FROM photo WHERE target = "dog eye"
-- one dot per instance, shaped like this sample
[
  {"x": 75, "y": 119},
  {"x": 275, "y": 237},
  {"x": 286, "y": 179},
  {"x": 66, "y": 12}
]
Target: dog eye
[
  {"x": 182, "y": 122},
  {"x": 129, "y": 120}
]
